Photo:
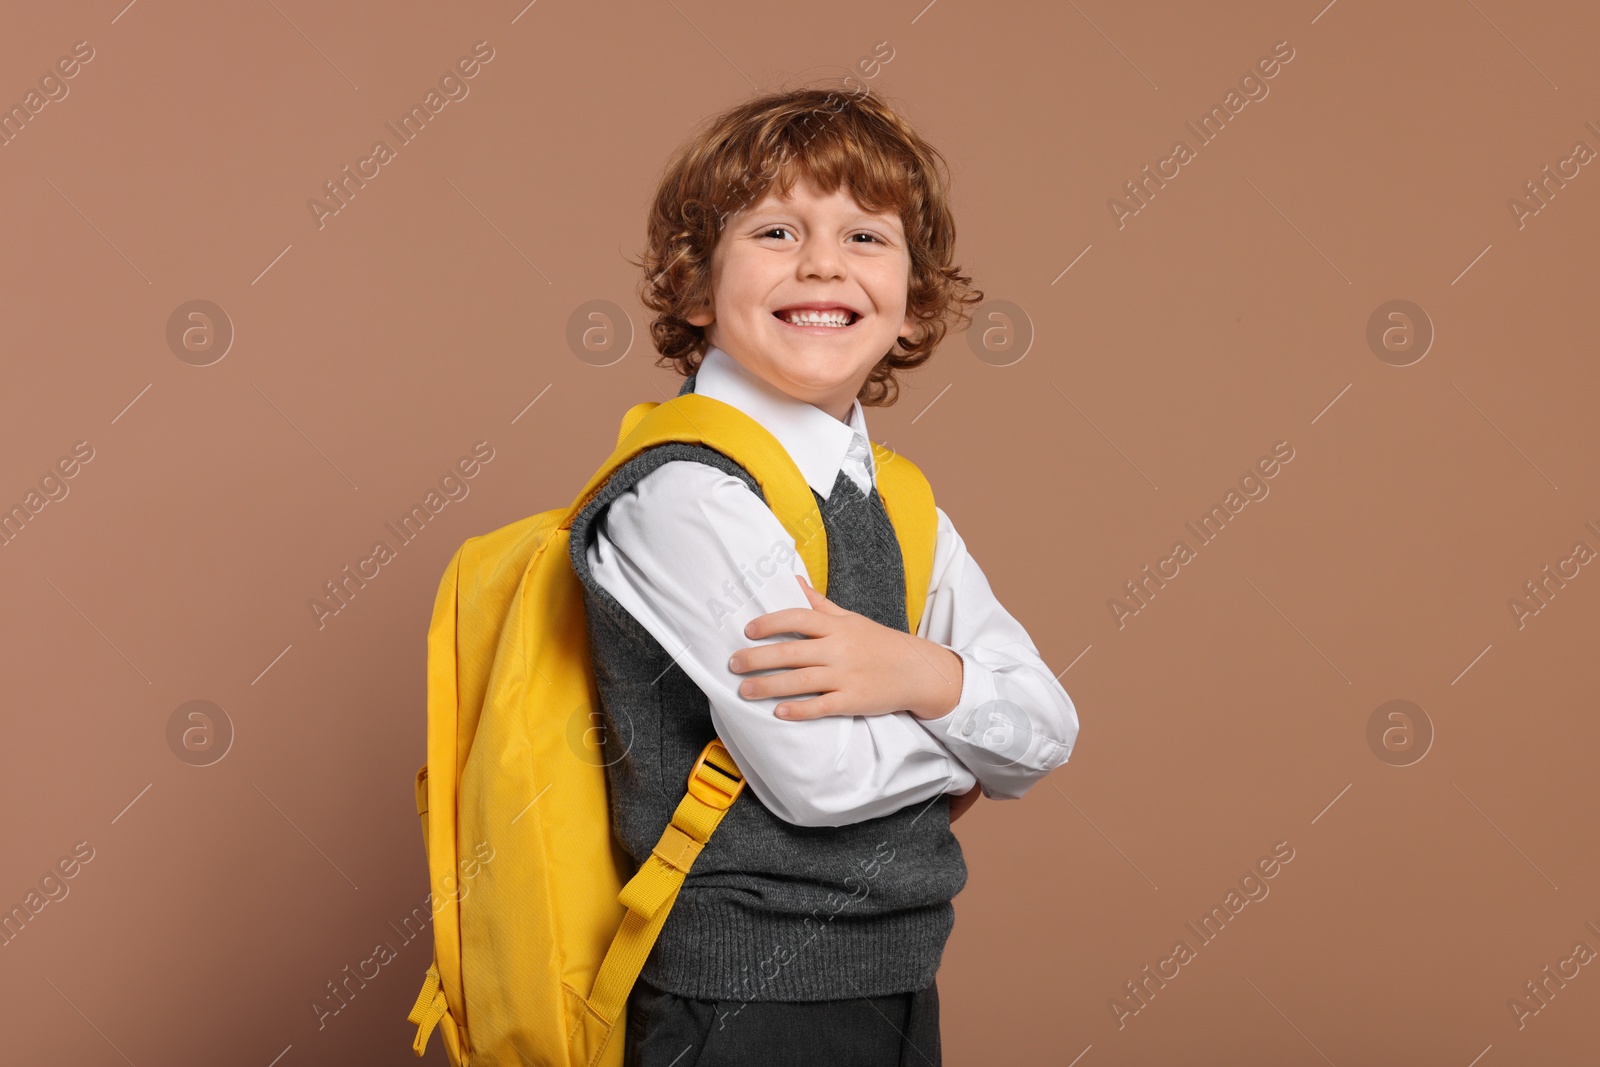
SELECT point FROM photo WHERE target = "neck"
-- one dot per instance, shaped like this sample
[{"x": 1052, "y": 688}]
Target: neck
[{"x": 839, "y": 408}]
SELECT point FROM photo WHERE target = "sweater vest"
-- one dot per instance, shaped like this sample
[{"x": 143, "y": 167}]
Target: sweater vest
[{"x": 770, "y": 911}]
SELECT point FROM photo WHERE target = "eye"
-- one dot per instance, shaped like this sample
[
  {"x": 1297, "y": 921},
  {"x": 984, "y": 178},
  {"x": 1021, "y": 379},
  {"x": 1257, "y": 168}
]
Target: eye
[
  {"x": 874, "y": 236},
  {"x": 773, "y": 230}
]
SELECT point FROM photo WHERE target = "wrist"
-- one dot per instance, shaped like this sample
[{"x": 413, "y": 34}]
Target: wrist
[{"x": 945, "y": 671}]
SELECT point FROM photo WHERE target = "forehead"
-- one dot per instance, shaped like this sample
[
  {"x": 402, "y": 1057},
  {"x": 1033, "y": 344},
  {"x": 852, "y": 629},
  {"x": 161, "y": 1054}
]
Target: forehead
[{"x": 805, "y": 195}]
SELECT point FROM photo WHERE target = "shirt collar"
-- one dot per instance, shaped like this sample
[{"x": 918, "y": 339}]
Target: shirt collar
[{"x": 814, "y": 439}]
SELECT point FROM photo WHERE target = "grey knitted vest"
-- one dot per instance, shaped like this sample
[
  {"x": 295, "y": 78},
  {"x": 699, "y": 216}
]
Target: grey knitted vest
[{"x": 770, "y": 910}]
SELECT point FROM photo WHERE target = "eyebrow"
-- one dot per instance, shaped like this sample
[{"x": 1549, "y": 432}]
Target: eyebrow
[{"x": 760, "y": 212}]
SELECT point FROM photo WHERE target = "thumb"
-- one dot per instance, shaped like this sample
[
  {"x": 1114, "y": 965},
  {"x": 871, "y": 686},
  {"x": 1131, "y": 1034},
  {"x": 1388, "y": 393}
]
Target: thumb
[{"x": 817, "y": 601}]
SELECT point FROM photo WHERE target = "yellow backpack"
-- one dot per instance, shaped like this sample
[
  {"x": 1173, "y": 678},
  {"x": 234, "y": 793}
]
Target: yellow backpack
[{"x": 540, "y": 923}]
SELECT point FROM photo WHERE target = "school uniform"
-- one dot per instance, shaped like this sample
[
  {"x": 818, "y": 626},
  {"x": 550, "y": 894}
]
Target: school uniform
[{"x": 812, "y": 925}]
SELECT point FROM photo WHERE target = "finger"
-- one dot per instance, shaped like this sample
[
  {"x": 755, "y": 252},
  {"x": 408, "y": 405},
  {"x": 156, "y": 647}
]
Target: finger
[
  {"x": 834, "y": 702},
  {"x": 962, "y": 801},
  {"x": 817, "y": 600},
  {"x": 796, "y": 653},
  {"x": 815, "y": 708},
  {"x": 804, "y": 621},
  {"x": 805, "y": 680}
]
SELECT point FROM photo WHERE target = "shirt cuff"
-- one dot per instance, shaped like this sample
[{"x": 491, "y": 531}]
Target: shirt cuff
[
  {"x": 992, "y": 738},
  {"x": 960, "y": 725}
]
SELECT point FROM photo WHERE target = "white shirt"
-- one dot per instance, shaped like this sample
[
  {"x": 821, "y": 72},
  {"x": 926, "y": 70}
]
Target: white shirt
[{"x": 680, "y": 549}]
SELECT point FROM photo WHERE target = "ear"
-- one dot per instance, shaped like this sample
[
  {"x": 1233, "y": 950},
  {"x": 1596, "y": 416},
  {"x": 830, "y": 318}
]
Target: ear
[
  {"x": 705, "y": 316},
  {"x": 908, "y": 327}
]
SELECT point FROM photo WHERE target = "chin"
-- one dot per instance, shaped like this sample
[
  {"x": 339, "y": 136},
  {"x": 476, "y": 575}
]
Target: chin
[
  {"x": 834, "y": 361},
  {"x": 826, "y": 379}
]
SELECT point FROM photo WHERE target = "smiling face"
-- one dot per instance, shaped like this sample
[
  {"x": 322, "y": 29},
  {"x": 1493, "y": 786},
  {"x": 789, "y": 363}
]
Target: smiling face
[{"x": 809, "y": 251}]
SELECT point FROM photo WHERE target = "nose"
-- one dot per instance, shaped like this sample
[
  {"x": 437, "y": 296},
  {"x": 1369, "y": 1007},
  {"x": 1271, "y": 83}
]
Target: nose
[{"x": 820, "y": 259}]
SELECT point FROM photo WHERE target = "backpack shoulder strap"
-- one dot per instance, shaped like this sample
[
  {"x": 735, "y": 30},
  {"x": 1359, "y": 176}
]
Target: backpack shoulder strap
[
  {"x": 692, "y": 417},
  {"x": 698, "y": 419},
  {"x": 714, "y": 784},
  {"x": 908, "y": 498}
]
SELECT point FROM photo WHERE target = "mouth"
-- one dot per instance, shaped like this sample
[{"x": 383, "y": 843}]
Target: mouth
[{"x": 831, "y": 318}]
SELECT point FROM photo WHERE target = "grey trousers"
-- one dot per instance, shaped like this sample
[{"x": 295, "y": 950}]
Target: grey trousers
[{"x": 897, "y": 1030}]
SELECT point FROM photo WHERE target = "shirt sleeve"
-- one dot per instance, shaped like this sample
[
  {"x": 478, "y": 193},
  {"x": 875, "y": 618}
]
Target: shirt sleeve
[
  {"x": 694, "y": 555},
  {"x": 1013, "y": 723}
]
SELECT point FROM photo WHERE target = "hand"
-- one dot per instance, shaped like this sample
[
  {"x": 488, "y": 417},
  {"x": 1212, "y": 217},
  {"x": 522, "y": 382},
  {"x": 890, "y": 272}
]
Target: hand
[
  {"x": 859, "y": 667},
  {"x": 962, "y": 801}
]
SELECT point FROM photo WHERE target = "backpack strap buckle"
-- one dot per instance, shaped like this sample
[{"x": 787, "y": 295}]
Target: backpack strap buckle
[
  {"x": 715, "y": 779},
  {"x": 714, "y": 784},
  {"x": 431, "y": 1006}
]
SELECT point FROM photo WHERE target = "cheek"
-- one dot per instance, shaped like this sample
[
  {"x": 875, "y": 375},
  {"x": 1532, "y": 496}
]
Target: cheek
[
  {"x": 742, "y": 292},
  {"x": 890, "y": 293},
  {"x": 890, "y": 281}
]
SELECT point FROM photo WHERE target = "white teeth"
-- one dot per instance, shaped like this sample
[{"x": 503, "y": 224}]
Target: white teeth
[{"x": 817, "y": 318}]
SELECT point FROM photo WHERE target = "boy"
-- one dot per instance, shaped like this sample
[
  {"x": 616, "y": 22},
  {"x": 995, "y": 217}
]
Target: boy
[{"x": 799, "y": 257}]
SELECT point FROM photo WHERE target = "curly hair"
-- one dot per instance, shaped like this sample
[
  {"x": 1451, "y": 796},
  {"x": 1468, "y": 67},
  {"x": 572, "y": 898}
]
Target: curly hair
[{"x": 851, "y": 138}]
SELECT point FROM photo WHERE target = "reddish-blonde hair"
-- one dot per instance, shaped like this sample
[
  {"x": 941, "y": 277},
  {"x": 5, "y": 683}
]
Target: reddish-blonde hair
[{"x": 833, "y": 137}]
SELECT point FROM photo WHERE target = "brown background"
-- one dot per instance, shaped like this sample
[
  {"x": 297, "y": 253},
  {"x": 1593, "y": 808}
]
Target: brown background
[{"x": 1229, "y": 314}]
